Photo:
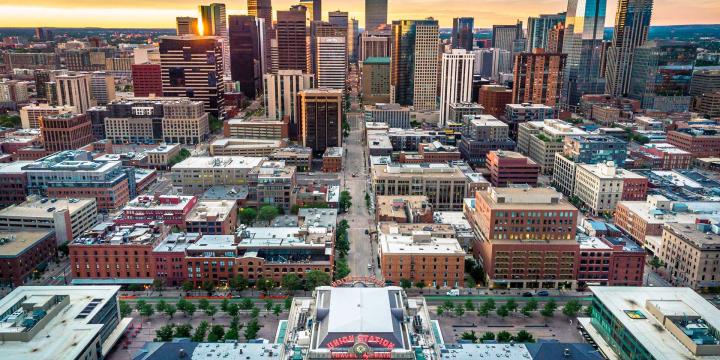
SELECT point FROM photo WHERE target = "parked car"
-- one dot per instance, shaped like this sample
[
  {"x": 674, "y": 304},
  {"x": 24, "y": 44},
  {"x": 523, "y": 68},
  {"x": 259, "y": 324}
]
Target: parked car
[
  {"x": 543, "y": 293},
  {"x": 453, "y": 292},
  {"x": 527, "y": 294}
]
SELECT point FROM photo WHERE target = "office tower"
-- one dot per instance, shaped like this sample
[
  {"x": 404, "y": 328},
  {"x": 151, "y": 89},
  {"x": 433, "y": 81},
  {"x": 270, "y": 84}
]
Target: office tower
[
  {"x": 41, "y": 77},
  {"x": 339, "y": 18},
  {"x": 102, "y": 87},
  {"x": 503, "y": 36},
  {"x": 314, "y": 9},
  {"x": 584, "y": 26},
  {"x": 14, "y": 91},
  {"x": 320, "y": 29},
  {"x": 291, "y": 39},
  {"x": 462, "y": 33},
  {"x": 92, "y": 59},
  {"x": 65, "y": 131},
  {"x": 494, "y": 98},
  {"x": 262, "y": 9},
  {"x": 147, "y": 79},
  {"x": 331, "y": 57},
  {"x": 374, "y": 43},
  {"x": 375, "y": 14},
  {"x": 705, "y": 82},
  {"x": 538, "y": 77},
  {"x": 185, "y": 25},
  {"x": 538, "y": 30},
  {"x": 30, "y": 115},
  {"x": 281, "y": 91},
  {"x": 502, "y": 63},
  {"x": 376, "y": 80},
  {"x": 74, "y": 90},
  {"x": 413, "y": 63},
  {"x": 353, "y": 39},
  {"x": 555, "y": 38},
  {"x": 246, "y": 61},
  {"x": 192, "y": 67},
  {"x": 483, "y": 62},
  {"x": 661, "y": 75},
  {"x": 455, "y": 80},
  {"x": 632, "y": 23},
  {"x": 320, "y": 112},
  {"x": 214, "y": 22}
]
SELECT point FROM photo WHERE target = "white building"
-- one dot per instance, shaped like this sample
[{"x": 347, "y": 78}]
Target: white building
[
  {"x": 67, "y": 217},
  {"x": 455, "y": 80},
  {"x": 74, "y": 90},
  {"x": 30, "y": 115},
  {"x": 281, "y": 91},
  {"x": 331, "y": 62},
  {"x": 102, "y": 87},
  {"x": 197, "y": 173},
  {"x": 600, "y": 186}
]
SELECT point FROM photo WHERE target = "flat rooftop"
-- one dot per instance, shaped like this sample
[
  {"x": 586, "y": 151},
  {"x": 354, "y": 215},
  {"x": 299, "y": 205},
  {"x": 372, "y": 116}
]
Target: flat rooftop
[
  {"x": 159, "y": 203},
  {"x": 701, "y": 236},
  {"x": 695, "y": 210},
  {"x": 219, "y": 162},
  {"x": 413, "y": 170},
  {"x": 44, "y": 208},
  {"x": 163, "y": 149},
  {"x": 214, "y": 242},
  {"x": 16, "y": 242},
  {"x": 177, "y": 242},
  {"x": 211, "y": 210},
  {"x": 531, "y": 198},
  {"x": 221, "y": 192},
  {"x": 420, "y": 242}
]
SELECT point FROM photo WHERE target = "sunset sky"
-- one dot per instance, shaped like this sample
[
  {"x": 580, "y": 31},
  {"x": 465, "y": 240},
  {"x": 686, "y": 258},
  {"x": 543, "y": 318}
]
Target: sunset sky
[{"x": 161, "y": 13}]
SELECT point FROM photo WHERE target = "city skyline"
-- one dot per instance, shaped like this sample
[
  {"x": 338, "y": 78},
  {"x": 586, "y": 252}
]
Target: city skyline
[{"x": 161, "y": 14}]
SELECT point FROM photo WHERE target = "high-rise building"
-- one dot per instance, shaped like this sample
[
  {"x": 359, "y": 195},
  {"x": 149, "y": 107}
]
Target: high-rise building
[
  {"x": 320, "y": 29},
  {"x": 281, "y": 92},
  {"x": 632, "y": 23},
  {"x": 503, "y": 36},
  {"x": 353, "y": 39},
  {"x": 192, "y": 67},
  {"x": 502, "y": 64},
  {"x": 555, "y": 38},
  {"x": 246, "y": 60},
  {"x": 74, "y": 90},
  {"x": 376, "y": 80},
  {"x": 331, "y": 57},
  {"x": 341, "y": 20},
  {"x": 584, "y": 26},
  {"x": 30, "y": 115},
  {"x": 539, "y": 28},
  {"x": 661, "y": 75},
  {"x": 65, "y": 131},
  {"x": 413, "y": 63},
  {"x": 314, "y": 9},
  {"x": 374, "y": 43},
  {"x": 320, "y": 112},
  {"x": 102, "y": 87},
  {"x": 462, "y": 33},
  {"x": 455, "y": 80},
  {"x": 147, "y": 79},
  {"x": 375, "y": 14},
  {"x": 538, "y": 77},
  {"x": 494, "y": 98},
  {"x": 705, "y": 82},
  {"x": 292, "y": 39},
  {"x": 185, "y": 25},
  {"x": 213, "y": 21},
  {"x": 262, "y": 9}
]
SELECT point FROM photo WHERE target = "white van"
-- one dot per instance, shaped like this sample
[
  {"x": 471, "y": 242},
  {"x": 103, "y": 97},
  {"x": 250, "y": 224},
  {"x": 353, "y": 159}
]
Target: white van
[{"x": 453, "y": 292}]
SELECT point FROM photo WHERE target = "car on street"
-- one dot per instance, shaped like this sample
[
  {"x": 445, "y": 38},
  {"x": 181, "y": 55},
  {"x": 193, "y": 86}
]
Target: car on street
[
  {"x": 543, "y": 293},
  {"x": 527, "y": 294},
  {"x": 453, "y": 292}
]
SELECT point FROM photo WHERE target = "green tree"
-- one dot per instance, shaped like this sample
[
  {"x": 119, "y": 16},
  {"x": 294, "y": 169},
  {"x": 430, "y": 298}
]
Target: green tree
[
  {"x": 549, "y": 309},
  {"x": 405, "y": 284},
  {"x": 571, "y": 308},
  {"x": 147, "y": 311},
  {"x": 656, "y": 263},
  {"x": 277, "y": 310},
  {"x": 232, "y": 334},
  {"x": 341, "y": 268},
  {"x": 342, "y": 244},
  {"x": 140, "y": 304},
  {"x": 291, "y": 282},
  {"x": 211, "y": 311},
  {"x": 469, "y": 336},
  {"x": 511, "y": 305},
  {"x": 268, "y": 212},
  {"x": 504, "y": 337},
  {"x": 187, "y": 286},
  {"x": 238, "y": 283},
  {"x": 200, "y": 331},
  {"x": 247, "y": 215},
  {"x": 268, "y": 305},
  {"x": 189, "y": 309},
  {"x": 487, "y": 307},
  {"x": 125, "y": 309},
  {"x": 524, "y": 337},
  {"x": 420, "y": 285},
  {"x": 182, "y": 304},
  {"x": 588, "y": 311},
  {"x": 487, "y": 336},
  {"x": 345, "y": 201},
  {"x": 502, "y": 312},
  {"x": 529, "y": 307},
  {"x": 165, "y": 333},
  {"x": 158, "y": 285},
  {"x": 216, "y": 333},
  {"x": 265, "y": 285},
  {"x": 251, "y": 330},
  {"x": 246, "y": 304},
  {"x": 440, "y": 310},
  {"x": 288, "y": 303},
  {"x": 160, "y": 306},
  {"x": 64, "y": 249},
  {"x": 170, "y": 310},
  {"x": 233, "y": 309},
  {"x": 254, "y": 312},
  {"x": 203, "y": 304},
  {"x": 315, "y": 278},
  {"x": 224, "y": 305},
  {"x": 459, "y": 311},
  {"x": 183, "y": 331},
  {"x": 448, "y": 305},
  {"x": 208, "y": 286},
  {"x": 215, "y": 124}
]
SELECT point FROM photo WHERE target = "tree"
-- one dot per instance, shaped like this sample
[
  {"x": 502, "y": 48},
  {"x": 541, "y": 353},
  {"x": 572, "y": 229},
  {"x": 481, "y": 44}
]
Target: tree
[
  {"x": 504, "y": 337},
  {"x": 165, "y": 333},
  {"x": 268, "y": 212},
  {"x": 125, "y": 309},
  {"x": 265, "y": 285},
  {"x": 488, "y": 336},
  {"x": 549, "y": 309},
  {"x": 140, "y": 304},
  {"x": 571, "y": 308},
  {"x": 656, "y": 263},
  {"x": 247, "y": 215},
  {"x": 216, "y": 333},
  {"x": 502, "y": 312},
  {"x": 288, "y": 303},
  {"x": 487, "y": 307},
  {"x": 189, "y": 309},
  {"x": 345, "y": 201},
  {"x": 200, "y": 331},
  {"x": 277, "y": 310},
  {"x": 588, "y": 311},
  {"x": 158, "y": 285},
  {"x": 182, "y": 304},
  {"x": 187, "y": 286},
  {"x": 469, "y": 306},
  {"x": 208, "y": 286},
  {"x": 440, "y": 310},
  {"x": 342, "y": 244},
  {"x": 238, "y": 283},
  {"x": 246, "y": 304},
  {"x": 469, "y": 336},
  {"x": 170, "y": 310},
  {"x": 448, "y": 305},
  {"x": 511, "y": 305},
  {"x": 524, "y": 337},
  {"x": 147, "y": 310},
  {"x": 224, "y": 305},
  {"x": 203, "y": 304},
  {"x": 459, "y": 310},
  {"x": 183, "y": 331},
  {"x": 341, "y": 268},
  {"x": 215, "y": 124},
  {"x": 529, "y": 307},
  {"x": 405, "y": 284},
  {"x": 315, "y": 278},
  {"x": 160, "y": 306},
  {"x": 251, "y": 330},
  {"x": 232, "y": 334},
  {"x": 254, "y": 312},
  {"x": 420, "y": 285},
  {"x": 233, "y": 309},
  {"x": 211, "y": 311},
  {"x": 291, "y": 282},
  {"x": 64, "y": 249},
  {"x": 268, "y": 305}
]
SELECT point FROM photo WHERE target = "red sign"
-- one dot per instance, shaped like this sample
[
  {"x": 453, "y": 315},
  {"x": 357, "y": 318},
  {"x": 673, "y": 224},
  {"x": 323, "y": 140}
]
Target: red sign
[
  {"x": 344, "y": 355},
  {"x": 348, "y": 340}
]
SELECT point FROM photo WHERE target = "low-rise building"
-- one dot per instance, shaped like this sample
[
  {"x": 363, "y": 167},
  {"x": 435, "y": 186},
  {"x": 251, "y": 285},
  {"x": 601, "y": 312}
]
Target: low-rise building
[
  {"x": 421, "y": 257},
  {"x": 245, "y": 147},
  {"x": 661, "y": 156},
  {"x": 22, "y": 252},
  {"x": 313, "y": 194},
  {"x": 434, "y": 152},
  {"x": 13, "y": 183},
  {"x": 509, "y": 167},
  {"x": 699, "y": 141},
  {"x": 169, "y": 209},
  {"x": 482, "y": 134},
  {"x": 516, "y": 114},
  {"x": 541, "y": 140},
  {"x": 257, "y": 128},
  {"x": 601, "y": 186},
  {"x": 300, "y": 157},
  {"x": 67, "y": 218},
  {"x": 213, "y": 217},
  {"x": 332, "y": 159},
  {"x": 273, "y": 181},
  {"x": 169, "y": 258},
  {"x": 197, "y": 173},
  {"x": 403, "y": 209},
  {"x": 379, "y": 144},
  {"x": 68, "y": 322},
  {"x": 161, "y": 156},
  {"x": 394, "y": 115},
  {"x": 458, "y": 111},
  {"x": 610, "y": 261},
  {"x": 690, "y": 253}
]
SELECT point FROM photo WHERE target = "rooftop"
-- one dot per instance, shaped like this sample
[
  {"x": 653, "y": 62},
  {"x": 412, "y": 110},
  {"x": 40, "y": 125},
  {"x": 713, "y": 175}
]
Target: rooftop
[
  {"x": 159, "y": 203},
  {"x": 255, "y": 120},
  {"x": 16, "y": 242},
  {"x": 484, "y": 120},
  {"x": 177, "y": 242},
  {"x": 219, "y": 162},
  {"x": 226, "y": 193},
  {"x": 420, "y": 242},
  {"x": 484, "y": 351},
  {"x": 333, "y": 152},
  {"x": 701, "y": 236},
  {"x": 122, "y": 235},
  {"x": 673, "y": 212},
  {"x": 532, "y": 198},
  {"x": 205, "y": 351},
  {"x": 526, "y": 106},
  {"x": 609, "y": 171},
  {"x": 214, "y": 243},
  {"x": 163, "y": 149},
  {"x": 44, "y": 208},
  {"x": 211, "y": 210}
]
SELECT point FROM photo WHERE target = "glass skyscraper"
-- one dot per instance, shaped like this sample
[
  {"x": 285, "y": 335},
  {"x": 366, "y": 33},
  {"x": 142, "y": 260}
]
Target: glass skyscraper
[
  {"x": 462, "y": 33},
  {"x": 538, "y": 29}
]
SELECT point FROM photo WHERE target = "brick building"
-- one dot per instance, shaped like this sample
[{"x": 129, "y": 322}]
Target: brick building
[
  {"x": 21, "y": 252},
  {"x": 65, "y": 131},
  {"x": 494, "y": 98},
  {"x": 332, "y": 159},
  {"x": 700, "y": 142},
  {"x": 145, "y": 209},
  {"x": 509, "y": 167},
  {"x": 404, "y": 209},
  {"x": 147, "y": 79}
]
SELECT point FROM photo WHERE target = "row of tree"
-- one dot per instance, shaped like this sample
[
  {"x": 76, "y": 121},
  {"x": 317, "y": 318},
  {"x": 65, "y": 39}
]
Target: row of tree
[
  {"x": 502, "y": 337},
  {"x": 571, "y": 308},
  {"x": 342, "y": 247}
]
